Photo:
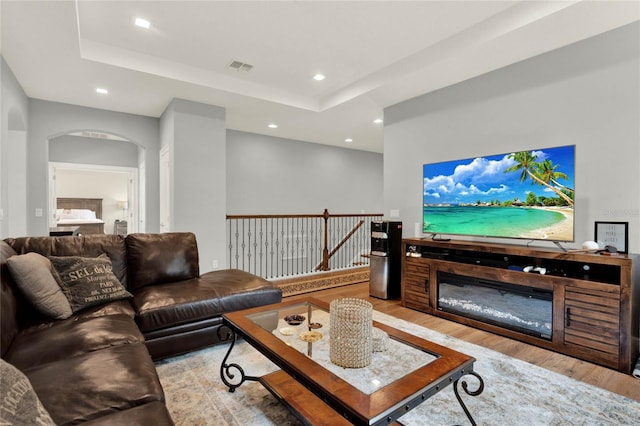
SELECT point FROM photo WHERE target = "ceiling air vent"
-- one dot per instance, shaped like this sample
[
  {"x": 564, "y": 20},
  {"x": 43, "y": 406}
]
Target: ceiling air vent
[{"x": 240, "y": 66}]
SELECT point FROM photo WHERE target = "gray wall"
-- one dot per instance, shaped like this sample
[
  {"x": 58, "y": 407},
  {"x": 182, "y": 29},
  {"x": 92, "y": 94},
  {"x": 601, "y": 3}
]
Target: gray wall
[
  {"x": 14, "y": 118},
  {"x": 83, "y": 150},
  {"x": 258, "y": 174},
  {"x": 195, "y": 134},
  {"x": 49, "y": 120},
  {"x": 270, "y": 175},
  {"x": 587, "y": 94}
]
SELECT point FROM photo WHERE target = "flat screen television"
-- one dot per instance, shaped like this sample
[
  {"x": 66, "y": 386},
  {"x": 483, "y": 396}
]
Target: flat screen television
[{"x": 524, "y": 194}]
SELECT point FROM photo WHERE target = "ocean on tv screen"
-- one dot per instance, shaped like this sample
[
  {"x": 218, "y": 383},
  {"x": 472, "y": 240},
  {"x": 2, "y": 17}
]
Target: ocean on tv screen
[{"x": 508, "y": 222}]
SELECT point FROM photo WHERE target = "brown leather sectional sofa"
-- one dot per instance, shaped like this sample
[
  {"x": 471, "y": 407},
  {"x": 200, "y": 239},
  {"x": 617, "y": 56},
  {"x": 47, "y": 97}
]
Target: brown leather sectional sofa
[{"x": 96, "y": 366}]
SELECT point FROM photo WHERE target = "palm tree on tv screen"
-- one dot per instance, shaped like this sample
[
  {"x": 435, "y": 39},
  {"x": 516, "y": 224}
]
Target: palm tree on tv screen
[
  {"x": 529, "y": 168},
  {"x": 547, "y": 172}
]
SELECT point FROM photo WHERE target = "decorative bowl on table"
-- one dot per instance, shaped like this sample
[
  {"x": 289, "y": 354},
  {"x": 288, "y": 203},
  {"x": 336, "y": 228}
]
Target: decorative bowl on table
[{"x": 294, "y": 319}]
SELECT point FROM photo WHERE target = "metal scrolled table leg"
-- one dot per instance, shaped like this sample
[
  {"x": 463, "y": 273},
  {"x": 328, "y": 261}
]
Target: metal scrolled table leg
[
  {"x": 226, "y": 370},
  {"x": 465, "y": 387}
]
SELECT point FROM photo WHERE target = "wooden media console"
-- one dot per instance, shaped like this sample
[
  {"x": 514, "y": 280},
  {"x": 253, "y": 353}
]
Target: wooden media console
[{"x": 593, "y": 300}]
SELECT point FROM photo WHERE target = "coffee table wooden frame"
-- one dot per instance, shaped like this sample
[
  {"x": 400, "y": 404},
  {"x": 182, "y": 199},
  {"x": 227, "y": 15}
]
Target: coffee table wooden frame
[{"x": 317, "y": 396}]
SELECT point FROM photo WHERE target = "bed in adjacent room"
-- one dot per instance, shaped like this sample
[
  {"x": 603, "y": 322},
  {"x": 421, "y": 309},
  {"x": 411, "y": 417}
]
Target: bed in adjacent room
[{"x": 85, "y": 213}]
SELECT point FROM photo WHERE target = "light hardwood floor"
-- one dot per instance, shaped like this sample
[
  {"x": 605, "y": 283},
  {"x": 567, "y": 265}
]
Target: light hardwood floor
[{"x": 602, "y": 377}]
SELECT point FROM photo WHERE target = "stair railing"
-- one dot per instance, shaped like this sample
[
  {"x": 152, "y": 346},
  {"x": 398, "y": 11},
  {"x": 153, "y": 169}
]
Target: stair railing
[{"x": 275, "y": 246}]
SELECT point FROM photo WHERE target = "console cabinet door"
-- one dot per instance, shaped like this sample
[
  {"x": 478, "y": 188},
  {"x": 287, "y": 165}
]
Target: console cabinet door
[
  {"x": 592, "y": 320},
  {"x": 416, "y": 283}
]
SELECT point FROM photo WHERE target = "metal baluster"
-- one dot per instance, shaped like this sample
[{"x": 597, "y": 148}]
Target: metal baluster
[
  {"x": 261, "y": 252},
  {"x": 254, "y": 227},
  {"x": 230, "y": 246},
  {"x": 237, "y": 244},
  {"x": 298, "y": 248},
  {"x": 247, "y": 245}
]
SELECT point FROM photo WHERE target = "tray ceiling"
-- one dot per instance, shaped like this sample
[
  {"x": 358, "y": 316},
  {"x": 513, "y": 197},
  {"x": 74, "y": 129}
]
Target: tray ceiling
[{"x": 373, "y": 53}]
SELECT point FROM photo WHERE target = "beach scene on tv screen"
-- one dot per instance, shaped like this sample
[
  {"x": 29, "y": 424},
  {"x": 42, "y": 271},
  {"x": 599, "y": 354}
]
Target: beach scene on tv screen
[{"x": 523, "y": 194}]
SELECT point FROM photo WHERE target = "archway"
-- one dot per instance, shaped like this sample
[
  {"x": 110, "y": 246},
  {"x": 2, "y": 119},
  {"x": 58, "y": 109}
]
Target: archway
[{"x": 97, "y": 164}]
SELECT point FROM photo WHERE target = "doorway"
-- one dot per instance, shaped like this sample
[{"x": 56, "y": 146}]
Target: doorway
[{"x": 116, "y": 186}]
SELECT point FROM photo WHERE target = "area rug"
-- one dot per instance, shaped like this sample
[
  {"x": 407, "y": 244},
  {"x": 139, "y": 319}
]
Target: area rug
[{"x": 516, "y": 392}]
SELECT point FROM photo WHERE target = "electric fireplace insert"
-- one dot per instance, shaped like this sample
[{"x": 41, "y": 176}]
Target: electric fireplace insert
[{"x": 524, "y": 309}]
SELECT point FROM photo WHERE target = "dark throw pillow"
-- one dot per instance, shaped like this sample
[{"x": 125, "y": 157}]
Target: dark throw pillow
[
  {"x": 19, "y": 404},
  {"x": 87, "y": 281}
]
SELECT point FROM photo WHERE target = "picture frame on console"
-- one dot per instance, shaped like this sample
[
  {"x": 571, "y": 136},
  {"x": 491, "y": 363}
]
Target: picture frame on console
[{"x": 614, "y": 234}]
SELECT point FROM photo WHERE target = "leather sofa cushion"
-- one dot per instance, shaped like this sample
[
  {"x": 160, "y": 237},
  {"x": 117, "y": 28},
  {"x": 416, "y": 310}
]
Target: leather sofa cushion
[
  {"x": 152, "y": 413},
  {"x": 161, "y": 258},
  {"x": 84, "y": 245},
  {"x": 119, "y": 307},
  {"x": 208, "y": 296},
  {"x": 68, "y": 338},
  {"x": 112, "y": 308},
  {"x": 91, "y": 385}
]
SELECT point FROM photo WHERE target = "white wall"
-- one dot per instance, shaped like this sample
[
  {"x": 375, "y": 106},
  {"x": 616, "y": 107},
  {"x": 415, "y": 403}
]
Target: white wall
[
  {"x": 13, "y": 159},
  {"x": 587, "y": 94},
  {"x": 195, "y": 134},
  {"x": 270, "y": 175}
]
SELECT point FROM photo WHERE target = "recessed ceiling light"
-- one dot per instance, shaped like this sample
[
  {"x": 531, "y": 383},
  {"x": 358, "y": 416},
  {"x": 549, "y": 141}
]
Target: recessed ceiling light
[
  {"x": 378, "y": 121},
  {"x": 319, "y": 77},
  {"x": 272, "y": 126},
  {"x": 348, "y": 140},
  {"x": 102, "y": 91},
  {"x": 142, "y": 23}
]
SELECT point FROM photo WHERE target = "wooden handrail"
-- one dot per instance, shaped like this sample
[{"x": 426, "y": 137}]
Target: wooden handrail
[
  {"x": 270, "y": 216},
  {"x": 324, "y": 264},
  {"x": 291, "y": 216}
]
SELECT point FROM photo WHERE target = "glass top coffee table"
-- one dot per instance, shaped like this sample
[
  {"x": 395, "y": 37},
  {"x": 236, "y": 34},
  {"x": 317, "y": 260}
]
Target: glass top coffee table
[{"x": 294, "y": 335}]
